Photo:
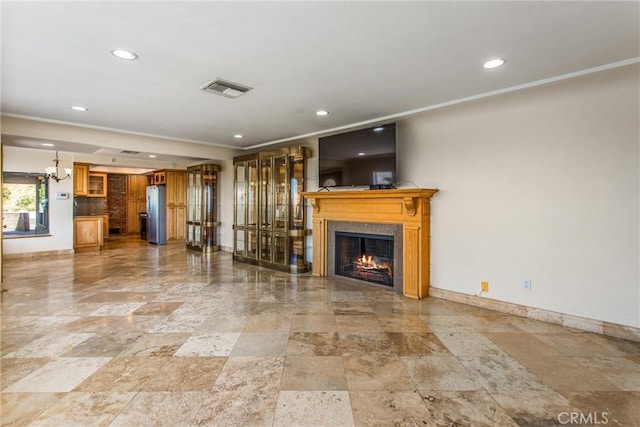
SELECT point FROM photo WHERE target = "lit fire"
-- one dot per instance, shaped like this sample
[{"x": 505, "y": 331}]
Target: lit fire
[{"x": 367, "y": 263}]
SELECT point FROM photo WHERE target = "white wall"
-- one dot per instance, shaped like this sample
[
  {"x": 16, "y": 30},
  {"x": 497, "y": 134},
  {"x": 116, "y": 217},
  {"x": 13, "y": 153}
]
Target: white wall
[
  {"x": 541, "y": 184},
  {"x": 60, "y": 211}
]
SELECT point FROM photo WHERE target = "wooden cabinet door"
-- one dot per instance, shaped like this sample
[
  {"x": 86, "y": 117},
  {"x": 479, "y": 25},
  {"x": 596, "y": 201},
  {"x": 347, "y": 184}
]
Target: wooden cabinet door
[
  {"x": 105, "y": 227},
  {"x": 80, "y": 179},
  {"x": 181, "y": 222},
  {"x": 181, "y": 188},
  {"x": 171, "y": 187},
  {"x": 143, "y": 181},
  {"x": 136, "y": 201},
  {"x": 171, "y": 223},
  {"x": 97, "y": 184},
  {"x": 133, "y": 219},
  {"x": 88, "y": 232}
]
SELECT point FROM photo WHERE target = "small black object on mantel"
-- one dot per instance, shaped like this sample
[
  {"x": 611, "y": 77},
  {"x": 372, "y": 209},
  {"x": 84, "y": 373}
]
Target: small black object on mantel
[{"x": 323, "y": 188}]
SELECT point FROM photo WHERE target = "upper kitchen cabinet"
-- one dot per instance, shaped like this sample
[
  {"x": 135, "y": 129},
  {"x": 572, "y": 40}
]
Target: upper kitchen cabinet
[
  {"x": 97, "y": 184},
  {"x": 80, "y": 179},
  {"x": 88, "y": 184}
]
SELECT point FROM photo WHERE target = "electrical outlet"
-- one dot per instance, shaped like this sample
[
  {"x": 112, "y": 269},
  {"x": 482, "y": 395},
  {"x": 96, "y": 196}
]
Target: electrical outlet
[
  {"x": 484, "y": 286},
  {"x": 526, "y": 285}
]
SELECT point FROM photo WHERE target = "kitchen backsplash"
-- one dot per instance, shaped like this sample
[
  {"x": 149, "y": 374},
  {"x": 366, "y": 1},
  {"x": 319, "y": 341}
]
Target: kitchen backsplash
[{"x": 83, "y": 206}]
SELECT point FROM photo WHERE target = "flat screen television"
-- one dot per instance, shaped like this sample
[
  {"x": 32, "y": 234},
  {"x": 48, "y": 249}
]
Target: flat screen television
[{"x": 365, "y": 157}]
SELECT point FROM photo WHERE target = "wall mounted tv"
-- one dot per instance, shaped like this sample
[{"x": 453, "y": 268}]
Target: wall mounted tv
[{"x": 365, "y": 157}]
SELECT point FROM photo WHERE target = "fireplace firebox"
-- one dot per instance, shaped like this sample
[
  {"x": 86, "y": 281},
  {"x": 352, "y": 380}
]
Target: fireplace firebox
[{"x": 367, "y": 257}]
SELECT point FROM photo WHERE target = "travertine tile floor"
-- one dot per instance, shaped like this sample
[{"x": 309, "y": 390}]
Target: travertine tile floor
[{"x": 142, "y": 335}]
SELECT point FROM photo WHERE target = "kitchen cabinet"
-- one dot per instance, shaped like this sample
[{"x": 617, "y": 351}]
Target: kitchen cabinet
[
  {"x": 176, "y": 186},
  {"x": 136, "y": 188},
  {"x": 269, "y": 218},
  {"x": 97, "y": 184},
  {"x": 80, "y": 179},
  {"x": 202, "y": 207},
  {"x": 88, "y": 184},
  {"x": 88, "y": 233},
  {"x": 105, "y": 227},
  {"x": 159, "y": 178}
]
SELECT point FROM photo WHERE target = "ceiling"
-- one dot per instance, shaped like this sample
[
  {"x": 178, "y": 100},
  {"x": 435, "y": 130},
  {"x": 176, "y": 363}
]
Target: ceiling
[{"x": 364, "y": 62}]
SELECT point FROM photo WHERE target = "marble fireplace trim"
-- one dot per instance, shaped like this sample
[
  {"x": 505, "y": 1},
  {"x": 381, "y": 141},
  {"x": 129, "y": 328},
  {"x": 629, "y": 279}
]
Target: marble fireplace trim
[{"x": 394, "y": 230}]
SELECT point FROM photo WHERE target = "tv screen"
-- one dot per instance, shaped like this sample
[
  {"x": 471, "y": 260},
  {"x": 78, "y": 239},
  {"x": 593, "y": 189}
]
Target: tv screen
[{"x": 360, "y": 158}]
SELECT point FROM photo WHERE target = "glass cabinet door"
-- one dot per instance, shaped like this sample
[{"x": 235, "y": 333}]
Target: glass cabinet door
[
  {"x": 265, "y": 246},
  {"x": 279, "y": 249},
  {"x": 252, "y": 193},
  {"x": 240, "y": 184},
  {"x": 202, "y": 203},
  {"x": 197, "y": 209},
  {"x": 209, "y": 201},
  {"x": 191, "y": 211},
  {"x": 240, "y": 204},
  {"x": 266, "y": 194},
  {"x": 297, "y": 187},
  {"x": 281, "y": 199},
  {"x": 252, "y": 209},
  {"x": 266, "y": 208}
]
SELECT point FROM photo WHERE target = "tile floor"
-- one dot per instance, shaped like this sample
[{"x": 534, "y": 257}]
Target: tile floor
[{"x": 142, "y": 335}]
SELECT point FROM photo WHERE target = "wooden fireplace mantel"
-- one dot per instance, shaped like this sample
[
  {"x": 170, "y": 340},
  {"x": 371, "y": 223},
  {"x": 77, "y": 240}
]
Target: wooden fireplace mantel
[{"x": 408, "y": 207}]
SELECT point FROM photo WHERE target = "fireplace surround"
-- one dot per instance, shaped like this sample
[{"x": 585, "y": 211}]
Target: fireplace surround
[{"x": 406, "y": 209}]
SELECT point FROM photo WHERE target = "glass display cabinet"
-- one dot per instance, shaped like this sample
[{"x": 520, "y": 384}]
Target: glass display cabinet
[
  {"x": 202, "y": 207},
  {"x": 269, "y": 219}
]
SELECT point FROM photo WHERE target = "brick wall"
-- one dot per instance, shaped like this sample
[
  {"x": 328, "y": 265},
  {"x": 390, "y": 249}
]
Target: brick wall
[{"x": 117, "y": 201}]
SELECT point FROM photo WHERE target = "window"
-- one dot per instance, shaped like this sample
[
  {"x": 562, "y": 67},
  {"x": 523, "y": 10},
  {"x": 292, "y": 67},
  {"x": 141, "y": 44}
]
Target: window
[{"x": 25, "y": 204}]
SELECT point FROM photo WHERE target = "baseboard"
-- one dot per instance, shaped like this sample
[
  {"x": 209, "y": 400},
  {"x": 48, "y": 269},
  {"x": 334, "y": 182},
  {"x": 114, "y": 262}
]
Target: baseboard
[
  {"x": 571, "y": 321},
  {"x": 38, "y": 254}
]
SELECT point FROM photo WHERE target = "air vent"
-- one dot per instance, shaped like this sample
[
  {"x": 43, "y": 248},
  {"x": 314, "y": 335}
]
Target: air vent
[
  {"x": 129, "y": 152},
  {"x": 225, "y": 88}
]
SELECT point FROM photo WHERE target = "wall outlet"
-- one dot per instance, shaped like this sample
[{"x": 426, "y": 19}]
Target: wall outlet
[
  {"x": 526, "y": 285},
  {"x": 484, "y": 286}
]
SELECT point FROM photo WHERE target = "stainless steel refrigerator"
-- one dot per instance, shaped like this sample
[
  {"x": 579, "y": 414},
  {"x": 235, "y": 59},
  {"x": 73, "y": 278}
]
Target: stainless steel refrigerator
[{"x": 157, "y": 214}]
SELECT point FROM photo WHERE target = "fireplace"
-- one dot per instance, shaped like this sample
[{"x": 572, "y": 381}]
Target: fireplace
[
  {"x": 402, "y": 213},
  {"x": 380, "y": 244},
  {"x": 367, "y": 257}
]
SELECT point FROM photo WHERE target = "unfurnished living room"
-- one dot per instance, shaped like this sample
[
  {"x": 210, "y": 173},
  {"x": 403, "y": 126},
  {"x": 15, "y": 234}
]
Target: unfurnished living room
[{"x": 320, "y": 213}]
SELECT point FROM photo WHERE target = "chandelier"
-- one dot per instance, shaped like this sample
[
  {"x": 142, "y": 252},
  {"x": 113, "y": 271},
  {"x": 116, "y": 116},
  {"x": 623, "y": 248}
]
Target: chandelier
[{"x": 52, "y": 172}]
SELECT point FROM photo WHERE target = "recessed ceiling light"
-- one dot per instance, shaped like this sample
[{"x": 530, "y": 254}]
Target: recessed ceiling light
[
  {"x": 322, "y": 113},
  {"x": 47, "y": 144},
  {"x": 494, "y": 63},
  {"x": 79, "y": 108},
  {"x": 378, "y": 129},
  {"x": 153, "y": 156},
  {"x": 361, "y": 154},
  {"x": 124, "y": 54},
  {"x": 238, "y": 136}
]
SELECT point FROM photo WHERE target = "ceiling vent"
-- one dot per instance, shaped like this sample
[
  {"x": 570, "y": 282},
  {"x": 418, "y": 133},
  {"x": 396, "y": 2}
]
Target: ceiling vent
[
  {"x": 225, "y": 88},
  {"x": 129, "y": 152}
]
